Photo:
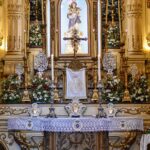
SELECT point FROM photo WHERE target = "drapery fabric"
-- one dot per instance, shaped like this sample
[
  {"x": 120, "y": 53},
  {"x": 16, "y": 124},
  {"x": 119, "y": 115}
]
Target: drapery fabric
[{"x": 75, "y": 84}]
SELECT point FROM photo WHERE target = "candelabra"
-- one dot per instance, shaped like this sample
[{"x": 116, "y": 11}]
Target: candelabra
[
  {"x": 126, "y": 97},
  {"x": 52, "y": 109},
  {"x": 26, "y": 97},
  {"x": 56, "y": 95},
  {"x": 101, "y": 113},
  {"x": 95, "y": 91}
]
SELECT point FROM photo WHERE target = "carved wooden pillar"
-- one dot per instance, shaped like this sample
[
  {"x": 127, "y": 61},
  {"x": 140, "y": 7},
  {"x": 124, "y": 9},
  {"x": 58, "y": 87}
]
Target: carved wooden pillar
[
  {"x": 134, "y": 26},
  {"x": 134, "y": 35},
  {"x": 15, "y": 26},
  {"x": 15, "y": 39},
  {"x": 49, "y": 141}
]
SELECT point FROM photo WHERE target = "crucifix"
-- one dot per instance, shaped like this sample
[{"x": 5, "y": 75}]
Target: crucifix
[{"x": 75, "y": 41}]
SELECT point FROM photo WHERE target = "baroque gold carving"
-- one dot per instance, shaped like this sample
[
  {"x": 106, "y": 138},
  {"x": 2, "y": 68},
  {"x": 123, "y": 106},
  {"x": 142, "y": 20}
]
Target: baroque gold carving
[
  {"x": 28, "y": 142},
  {"x": 14, "y": 7},
  {"x": 136, "y": 111},
  {"x": 125, "y": 142},
  {"x": 75, "y": 65},
  {"x": 52, "y": 21},
  {"x": 12, "y": 111},
  {"x": 6, "y": 139}
]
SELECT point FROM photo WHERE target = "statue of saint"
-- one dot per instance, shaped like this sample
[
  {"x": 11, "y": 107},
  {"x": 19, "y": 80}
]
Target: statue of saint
[{"x": 73, "y": 16}]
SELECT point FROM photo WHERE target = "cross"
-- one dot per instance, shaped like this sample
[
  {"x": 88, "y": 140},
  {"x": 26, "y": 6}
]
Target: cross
[{"x": 75, "y": 40}]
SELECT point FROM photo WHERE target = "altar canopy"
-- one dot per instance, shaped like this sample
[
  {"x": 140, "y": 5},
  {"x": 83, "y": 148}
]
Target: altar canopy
[{"x": 75, "y": 84}]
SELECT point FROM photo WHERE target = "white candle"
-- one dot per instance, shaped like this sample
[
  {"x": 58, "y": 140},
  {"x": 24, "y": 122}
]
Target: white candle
[
  {"x": 52, "y": 67},
  {"x": 99, "y": 68},
  {"x": 99, "y": 28}
]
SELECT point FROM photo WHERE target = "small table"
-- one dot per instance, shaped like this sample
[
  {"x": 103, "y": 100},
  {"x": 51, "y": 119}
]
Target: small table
[{"x": 50, "y": 126}]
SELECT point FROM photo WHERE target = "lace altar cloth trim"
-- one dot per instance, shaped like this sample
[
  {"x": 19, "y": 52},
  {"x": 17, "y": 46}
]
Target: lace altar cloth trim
[{"x": 75, "y": 124}]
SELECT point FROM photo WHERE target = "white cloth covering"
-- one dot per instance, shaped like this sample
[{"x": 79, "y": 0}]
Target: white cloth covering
[{"x": 75, "y": 84}]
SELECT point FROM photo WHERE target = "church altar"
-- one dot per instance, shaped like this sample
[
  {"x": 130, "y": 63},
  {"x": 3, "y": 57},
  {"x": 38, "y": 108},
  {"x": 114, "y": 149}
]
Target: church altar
[
  {"x": 106, "y": 43},
  {"x": 53, "y": 126}
]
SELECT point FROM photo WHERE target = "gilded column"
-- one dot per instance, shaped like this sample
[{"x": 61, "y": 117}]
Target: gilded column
[
  {"x": 16, "y": 25},
  {"x": 134, "y": 26}
]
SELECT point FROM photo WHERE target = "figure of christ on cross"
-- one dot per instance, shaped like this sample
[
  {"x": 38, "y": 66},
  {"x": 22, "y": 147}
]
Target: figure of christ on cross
[{"x": 75, "y": 40}]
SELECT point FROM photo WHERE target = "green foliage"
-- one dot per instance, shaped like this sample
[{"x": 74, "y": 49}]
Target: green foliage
[
  {"x": 138, "y": 88},
  {"x": 40, "y": 89},
  {"x": 11, "y": 92},
  {"x": 113, "y": 89}
]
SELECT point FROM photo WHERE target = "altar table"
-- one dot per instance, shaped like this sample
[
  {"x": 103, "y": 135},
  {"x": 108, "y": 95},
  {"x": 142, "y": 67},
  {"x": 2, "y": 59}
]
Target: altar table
[{"x": 101, "y": 126}]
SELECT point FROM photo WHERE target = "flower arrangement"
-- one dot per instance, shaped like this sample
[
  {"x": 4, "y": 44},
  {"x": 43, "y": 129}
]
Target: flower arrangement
[
  {"x": 113, "y": 39},
  {"x": 35, "y": 38},
  {"x": 40, "y": 89},
  {"x": 11, "y": 92},
  {"x": 138, "y": 88},
  {"x": 113, "y": 89}
]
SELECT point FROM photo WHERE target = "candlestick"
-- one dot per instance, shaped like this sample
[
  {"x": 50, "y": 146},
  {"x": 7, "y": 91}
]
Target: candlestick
[
  {"x": 99, "y": 28},
  {"x": 25, "y": 50},
  {"x": 28, "y": 28},
  {"x": 52, "y": 66},
  {"x": 99, "y": 68}
]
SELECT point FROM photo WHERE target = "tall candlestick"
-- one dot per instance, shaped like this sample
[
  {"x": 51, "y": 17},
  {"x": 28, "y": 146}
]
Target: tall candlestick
[
  {"x": 52, "y": 66},
  {"x": 99, "y": 68},
  {"x": 25, "y": 50},
  {"x": 99, "y": 29}
]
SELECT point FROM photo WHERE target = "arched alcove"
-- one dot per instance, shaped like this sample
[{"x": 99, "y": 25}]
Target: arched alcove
[{"x": 74, "y": 16}]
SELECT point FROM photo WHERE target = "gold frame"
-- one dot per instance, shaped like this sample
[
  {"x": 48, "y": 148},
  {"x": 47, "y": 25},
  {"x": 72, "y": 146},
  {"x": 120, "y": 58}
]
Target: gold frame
[{"x": 92, "y": 33}]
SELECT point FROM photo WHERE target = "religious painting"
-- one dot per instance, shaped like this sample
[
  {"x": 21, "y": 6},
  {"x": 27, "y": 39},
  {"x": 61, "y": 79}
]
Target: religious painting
[{"x": 74, "y": 27}]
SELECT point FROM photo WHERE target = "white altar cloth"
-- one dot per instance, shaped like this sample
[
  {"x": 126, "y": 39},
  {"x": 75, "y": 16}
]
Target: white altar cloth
[{"x": 87, "y": 124}]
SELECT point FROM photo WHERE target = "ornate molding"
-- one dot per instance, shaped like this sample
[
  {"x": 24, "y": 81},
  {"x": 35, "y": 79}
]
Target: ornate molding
[
  {"x": 14, "y": 8},
  {"x": 79, "y": 140},
  {"x": 135, "y": 111},
  {"x": 6, "y": 140},
  {"x": 125, "y": 142},
  {"x": 28, "y": 142},
  {"x": 12, "y": 111}
]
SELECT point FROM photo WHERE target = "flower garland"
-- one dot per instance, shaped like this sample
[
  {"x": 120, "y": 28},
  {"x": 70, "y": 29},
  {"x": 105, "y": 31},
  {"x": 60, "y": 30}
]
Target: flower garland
[
  {"x": 113, "y": 89},
  {"x": 40, "y": 89},
  {"x": 35, "y": 38},
  {"x": 11, "y": 92},
  {"x": 113, "y": 39},
  {"x": 138, "y": 88}
]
